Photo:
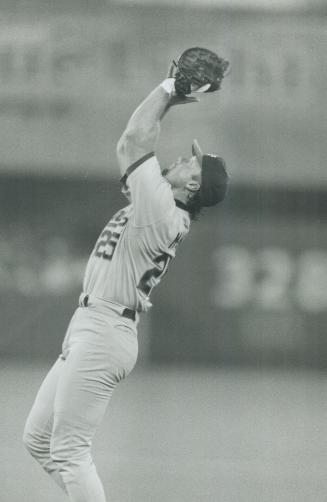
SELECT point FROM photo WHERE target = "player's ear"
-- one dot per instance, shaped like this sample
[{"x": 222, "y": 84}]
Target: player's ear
[{"x": 193, "y": 186}]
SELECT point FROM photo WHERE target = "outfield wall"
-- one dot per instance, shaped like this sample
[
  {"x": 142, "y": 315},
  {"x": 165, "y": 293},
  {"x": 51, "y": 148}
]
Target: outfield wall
[{"x": 247, "y": 286}]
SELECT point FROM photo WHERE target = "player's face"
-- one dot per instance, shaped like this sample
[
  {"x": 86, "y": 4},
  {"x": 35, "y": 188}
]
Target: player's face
[{"x": 183, "y": 171}]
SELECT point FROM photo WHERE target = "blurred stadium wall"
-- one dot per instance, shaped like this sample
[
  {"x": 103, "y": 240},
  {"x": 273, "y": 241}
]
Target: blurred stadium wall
[{"x": 249, "y": 284}]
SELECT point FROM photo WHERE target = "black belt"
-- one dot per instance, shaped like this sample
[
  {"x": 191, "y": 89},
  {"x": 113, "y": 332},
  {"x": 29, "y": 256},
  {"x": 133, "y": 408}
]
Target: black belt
[{"x": 128, "y": 313}]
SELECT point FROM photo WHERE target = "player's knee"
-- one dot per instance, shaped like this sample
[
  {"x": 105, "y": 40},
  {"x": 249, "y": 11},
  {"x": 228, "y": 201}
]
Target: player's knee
[
  {"x": 60, "y": 452},
  {"x": 30, "y": 440},
  {"x": 65, "y": 453},
  {"x": 35, "y": 443}
]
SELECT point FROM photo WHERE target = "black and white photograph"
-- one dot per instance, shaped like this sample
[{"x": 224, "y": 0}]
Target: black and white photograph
[{"x": 163, "y": 251}]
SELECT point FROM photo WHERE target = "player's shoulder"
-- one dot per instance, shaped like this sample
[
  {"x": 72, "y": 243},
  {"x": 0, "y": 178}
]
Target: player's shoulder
[
  {"x": 146, "y": 164},
  {"x": 122, "y": 212}
]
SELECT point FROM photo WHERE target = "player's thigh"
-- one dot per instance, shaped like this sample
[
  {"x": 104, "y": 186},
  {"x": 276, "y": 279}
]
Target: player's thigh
[
  {"x": 39, "y": 420},
  {"x": 96, "y": 363},
  {"x": 82, "y": 394}
]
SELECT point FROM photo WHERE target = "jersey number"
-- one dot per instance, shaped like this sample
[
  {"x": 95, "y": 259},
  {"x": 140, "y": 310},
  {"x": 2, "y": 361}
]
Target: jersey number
[
  {"x": 108, "y": 239},
  {"x": 146, "y": 283},
  {"x": 107, "y": 244}
]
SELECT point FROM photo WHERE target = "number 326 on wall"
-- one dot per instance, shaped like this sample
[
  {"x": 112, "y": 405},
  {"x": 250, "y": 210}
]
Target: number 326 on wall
[{"x": 270, "y": 278}]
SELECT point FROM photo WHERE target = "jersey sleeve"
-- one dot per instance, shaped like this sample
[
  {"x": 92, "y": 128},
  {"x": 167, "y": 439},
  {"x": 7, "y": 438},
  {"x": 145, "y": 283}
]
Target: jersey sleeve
[{"x": 151, "y": 195}]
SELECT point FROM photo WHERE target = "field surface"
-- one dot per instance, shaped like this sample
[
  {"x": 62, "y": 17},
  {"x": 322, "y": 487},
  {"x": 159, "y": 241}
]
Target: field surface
[{"x": 188, "y": 435}]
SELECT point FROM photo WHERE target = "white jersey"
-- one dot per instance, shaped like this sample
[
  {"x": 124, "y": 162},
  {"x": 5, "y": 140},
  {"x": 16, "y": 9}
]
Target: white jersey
[{"x": 133, "y": 251}]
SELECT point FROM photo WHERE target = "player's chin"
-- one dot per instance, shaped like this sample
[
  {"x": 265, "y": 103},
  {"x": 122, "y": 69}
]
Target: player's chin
[{"x": 167, "y": 170}]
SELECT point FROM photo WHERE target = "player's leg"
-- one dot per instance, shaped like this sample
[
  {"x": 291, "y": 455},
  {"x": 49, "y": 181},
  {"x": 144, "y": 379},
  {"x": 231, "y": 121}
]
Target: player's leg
[
  {"x": 39, "y": 423},
  {"x": 38, "y": 427},
  {"x": 98, "y": 359}
]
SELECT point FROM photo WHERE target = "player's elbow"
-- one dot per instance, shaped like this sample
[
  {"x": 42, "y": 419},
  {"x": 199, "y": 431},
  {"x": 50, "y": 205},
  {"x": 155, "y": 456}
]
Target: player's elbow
[
  {"x": 137, "y": 138},
  {"x": 127, "y": 151},
  {"x": 132, "y": 145},
  {"x": 124, "y": 144},
  {"x": 124, "y": 152}
]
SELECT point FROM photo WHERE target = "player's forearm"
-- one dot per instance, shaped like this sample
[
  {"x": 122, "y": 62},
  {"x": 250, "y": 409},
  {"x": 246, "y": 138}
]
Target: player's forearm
[
  {"x": 147, "y": 116},
  {"x": 143, "y": 128}
]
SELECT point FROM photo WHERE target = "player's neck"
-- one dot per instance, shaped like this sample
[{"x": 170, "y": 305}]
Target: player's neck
[{"x": 181, "y": 195}]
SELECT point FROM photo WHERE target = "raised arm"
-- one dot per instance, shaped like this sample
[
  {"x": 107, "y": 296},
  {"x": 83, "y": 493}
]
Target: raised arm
[
  {"x": 198, "y": 69},
  {"x": 142, "y": 132}
]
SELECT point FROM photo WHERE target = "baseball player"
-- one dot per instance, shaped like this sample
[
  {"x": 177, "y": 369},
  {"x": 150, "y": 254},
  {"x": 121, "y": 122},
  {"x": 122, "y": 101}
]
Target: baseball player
[{"x": 129, "y": 259}]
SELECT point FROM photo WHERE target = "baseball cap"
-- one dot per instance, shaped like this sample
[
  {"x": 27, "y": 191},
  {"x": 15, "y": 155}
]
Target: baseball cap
[{"x": 214, "y": 176}]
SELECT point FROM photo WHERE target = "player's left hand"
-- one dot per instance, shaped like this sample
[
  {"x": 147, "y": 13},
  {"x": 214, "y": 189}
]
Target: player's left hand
[
  {"x": 198, "y": 70},
  {"x": 176, "y": 99}
]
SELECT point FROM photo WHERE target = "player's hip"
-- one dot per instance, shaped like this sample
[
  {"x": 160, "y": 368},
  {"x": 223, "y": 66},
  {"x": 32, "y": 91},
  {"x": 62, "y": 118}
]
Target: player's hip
[
  {"x": 102, "y": 338},
  {"x": 110, "y": 308}
]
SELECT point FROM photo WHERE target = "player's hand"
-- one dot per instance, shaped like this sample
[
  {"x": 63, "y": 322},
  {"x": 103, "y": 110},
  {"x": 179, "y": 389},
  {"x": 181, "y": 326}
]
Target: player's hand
[
  {"x": 198, "y": 70},
  {"x": 182, "y": 100},
  {"x": 175, "y": 99}
]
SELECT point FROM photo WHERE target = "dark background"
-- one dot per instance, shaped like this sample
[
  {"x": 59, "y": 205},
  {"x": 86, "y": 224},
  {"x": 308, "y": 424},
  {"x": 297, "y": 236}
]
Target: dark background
[{"x": 247, "y": 286}]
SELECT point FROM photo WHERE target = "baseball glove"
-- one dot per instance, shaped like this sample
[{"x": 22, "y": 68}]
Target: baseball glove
[{"x": 199, "y": 69}]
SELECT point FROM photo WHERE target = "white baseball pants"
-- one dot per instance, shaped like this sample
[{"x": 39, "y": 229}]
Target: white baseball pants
[{"x": 99, "y": 350}]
